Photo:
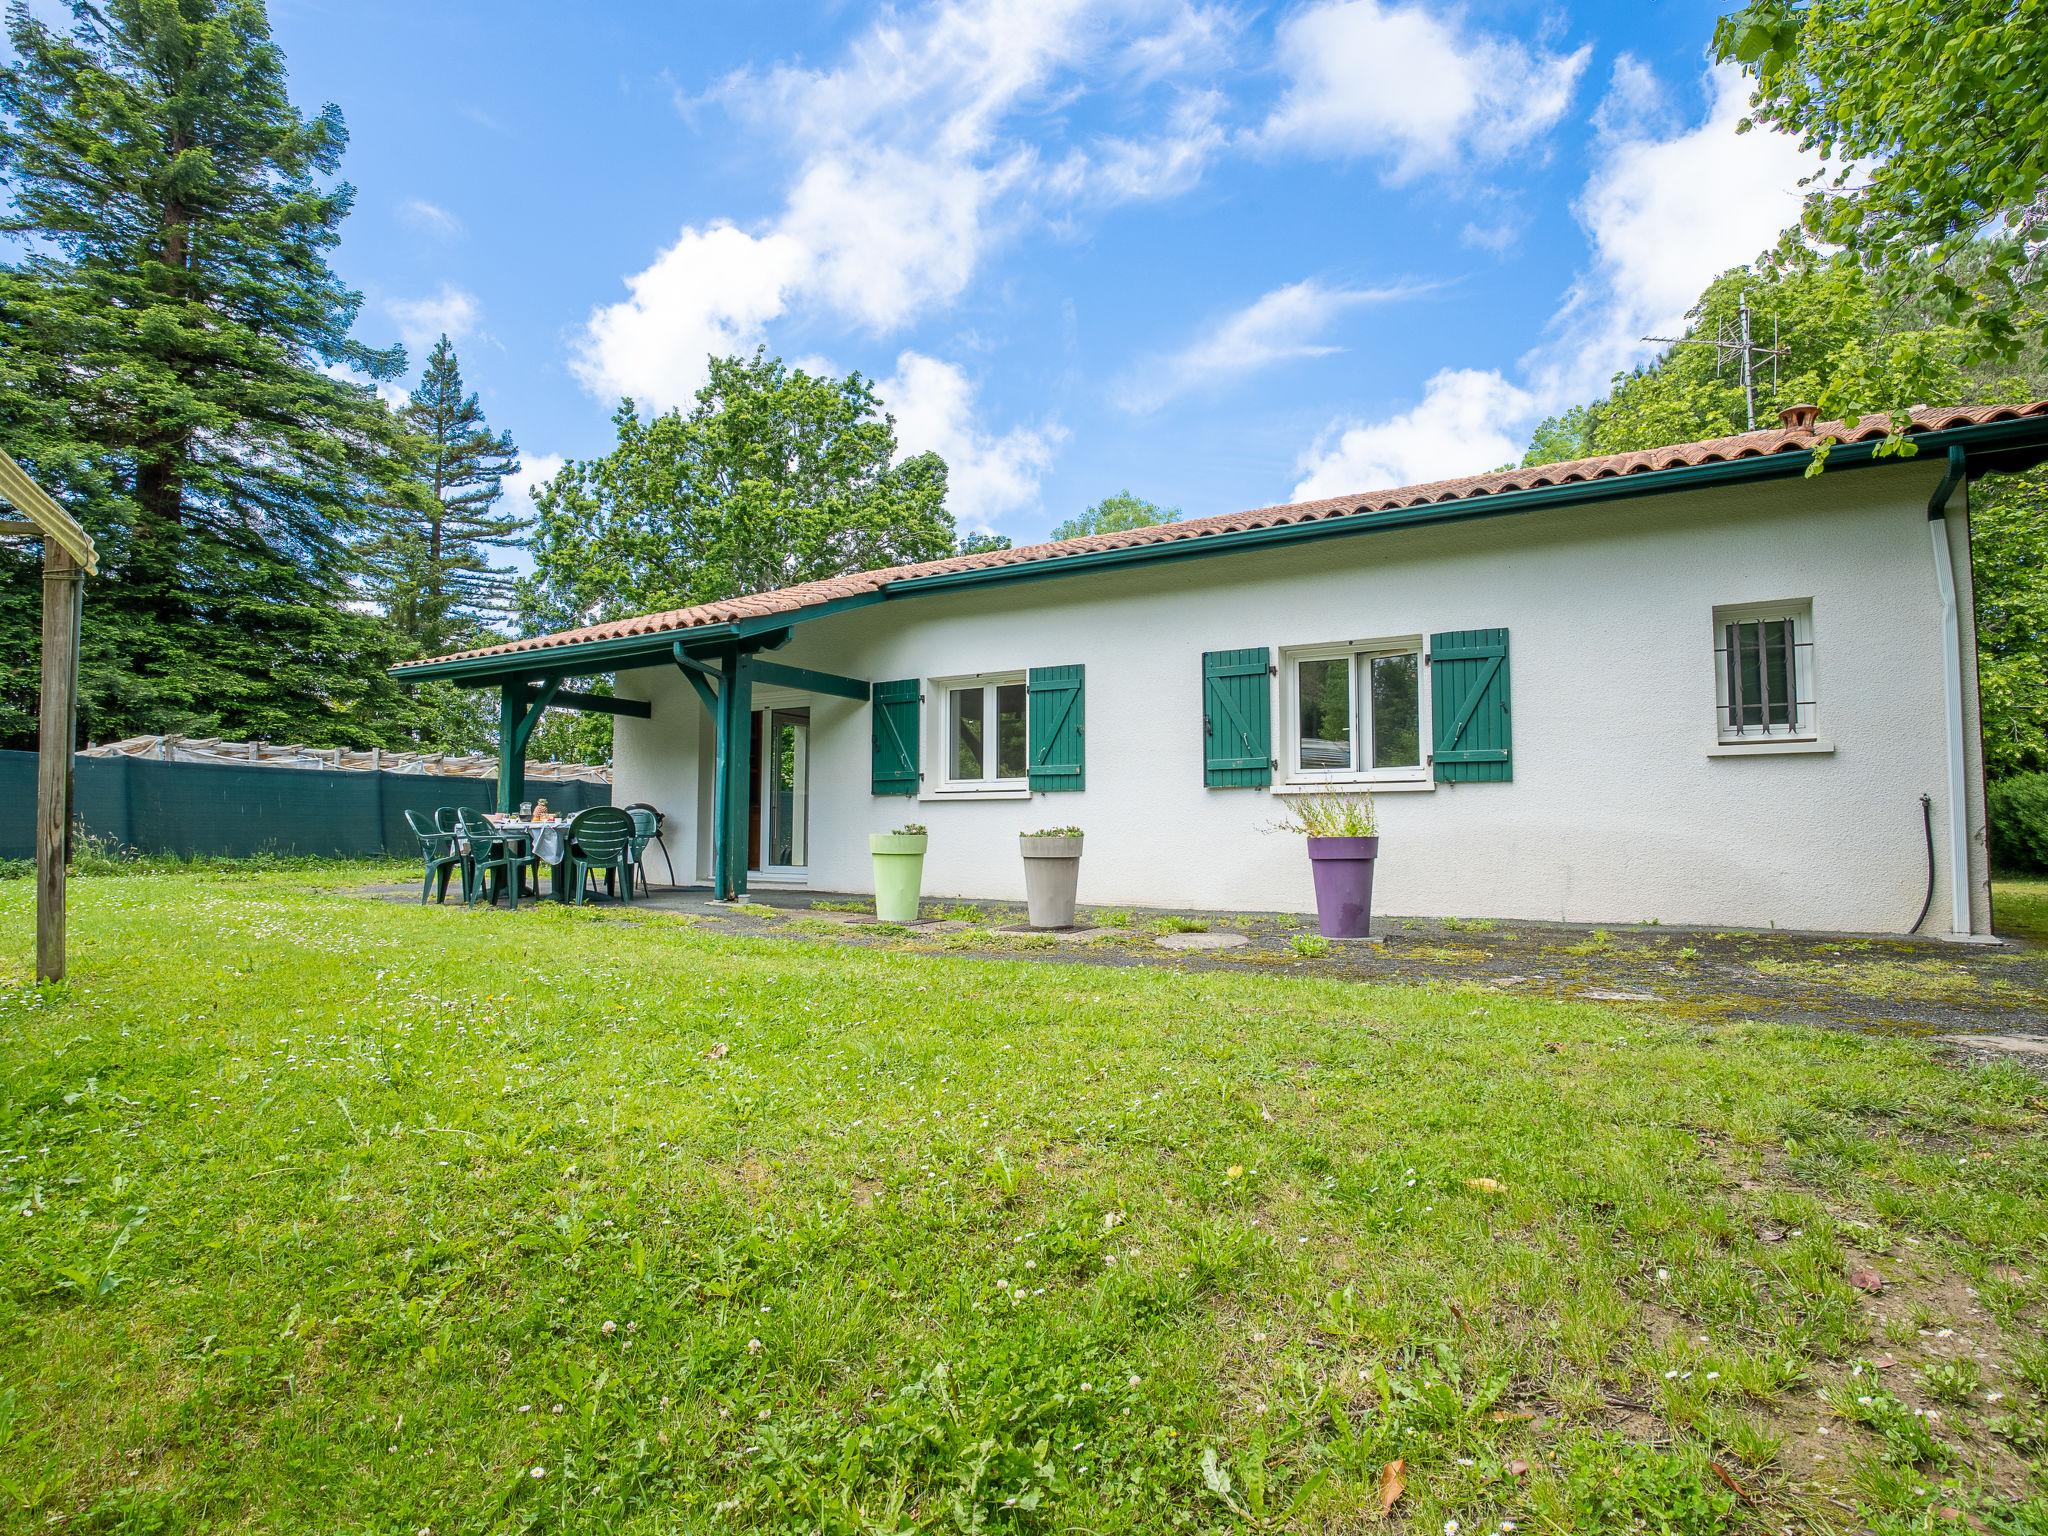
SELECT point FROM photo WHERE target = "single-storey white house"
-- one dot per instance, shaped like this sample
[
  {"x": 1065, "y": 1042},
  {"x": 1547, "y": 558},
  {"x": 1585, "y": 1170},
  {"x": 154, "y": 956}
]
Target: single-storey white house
[{"x": 1693, "y": 685}]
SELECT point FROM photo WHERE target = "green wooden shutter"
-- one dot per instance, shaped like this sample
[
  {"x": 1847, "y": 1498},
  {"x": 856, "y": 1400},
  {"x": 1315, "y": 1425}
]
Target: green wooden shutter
[
  {"x": 1056, "y": 718},
  {"x": 893, "y": 711},
  {"x": 1468, "y": 686},
  {"x": 1237, "y": 718}
]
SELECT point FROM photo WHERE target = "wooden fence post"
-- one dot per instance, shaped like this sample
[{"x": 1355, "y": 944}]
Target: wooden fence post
[{"x": 63, "y": 601}]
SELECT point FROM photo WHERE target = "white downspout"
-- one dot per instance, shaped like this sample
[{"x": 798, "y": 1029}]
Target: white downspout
[{"x": 1952, "y": 698}]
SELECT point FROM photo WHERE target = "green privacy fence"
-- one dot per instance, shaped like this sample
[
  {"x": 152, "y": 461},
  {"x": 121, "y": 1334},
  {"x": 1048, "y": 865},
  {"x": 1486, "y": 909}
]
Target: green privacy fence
[{"x": 219, "y": 810}]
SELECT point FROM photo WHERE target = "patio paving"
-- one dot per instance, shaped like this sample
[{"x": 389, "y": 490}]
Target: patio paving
[{"x": 1990, "y": 1000}]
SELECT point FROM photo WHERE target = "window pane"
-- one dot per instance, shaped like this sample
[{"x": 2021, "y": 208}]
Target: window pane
[
  {"x": 1324, "y": 705},
  {"x": 1010, "y": 744},
  {"x": 1779, "y": 671},
  {"x": 1396, "y": 712},
  {"x": 963, "y": 711}
]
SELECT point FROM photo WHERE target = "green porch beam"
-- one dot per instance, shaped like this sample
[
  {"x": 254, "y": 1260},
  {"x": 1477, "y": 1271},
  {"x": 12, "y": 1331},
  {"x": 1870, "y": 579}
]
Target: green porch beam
[
  {"x": 601, "y": 704},
  {"x": 519, "y": 711},
  {"x": 814, "y": 682}
]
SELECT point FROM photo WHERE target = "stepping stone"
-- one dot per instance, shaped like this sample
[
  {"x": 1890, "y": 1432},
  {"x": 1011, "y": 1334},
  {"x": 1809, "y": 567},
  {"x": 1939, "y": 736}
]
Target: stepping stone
[
  {"x": 1603, "y": 995},
  {"x": 1200, "y": 940},
  {"x": 1078, "y": 935},
  {"x": 2021, "y": 1045}
]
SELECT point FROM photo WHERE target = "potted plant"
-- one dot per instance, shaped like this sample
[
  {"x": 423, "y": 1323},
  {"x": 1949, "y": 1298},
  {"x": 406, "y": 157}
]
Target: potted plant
[
  {"x": 899, "y": 871},
  {"x": 1343, "y": 840},
  {"x": 1052, "y": 872}
]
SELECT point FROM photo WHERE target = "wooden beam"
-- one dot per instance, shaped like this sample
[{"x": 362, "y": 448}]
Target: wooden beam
[
  {"x": 12, "y": 530},
  {"x": 58, "y": 526},
  {"x": 63, "y": 599},
  {"x": 814, "y": 682},
  {"x": 700, "y": 677},
  {"x": 599, "y": 704}
]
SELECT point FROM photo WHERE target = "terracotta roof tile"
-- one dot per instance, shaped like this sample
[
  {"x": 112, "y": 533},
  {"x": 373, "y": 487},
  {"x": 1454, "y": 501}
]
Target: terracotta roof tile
[{"x": 1743, "y": 445}]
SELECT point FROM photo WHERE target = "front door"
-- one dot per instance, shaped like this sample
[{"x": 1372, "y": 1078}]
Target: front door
[{"x": 778, "y": 794}]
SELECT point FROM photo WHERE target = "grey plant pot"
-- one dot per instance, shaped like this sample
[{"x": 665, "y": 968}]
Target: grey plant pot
[{"x": 1052, "y": 874}]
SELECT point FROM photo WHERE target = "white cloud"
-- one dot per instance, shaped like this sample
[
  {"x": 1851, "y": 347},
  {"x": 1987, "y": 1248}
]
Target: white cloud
[
  {"x": 1121, "y": 170},
  {"x": 1469, "y": 420},
  {"x": 988, "y": 476},
  {"x": 449, "y": 311},
  {"x": 712, "y": 291},
  {"x": 1666, "y": 209},
  {"x": 1665, "y": 212},
  {"x": 1281, "y": 326},
  {"x": 430, "y": 218},
  {"x": 1413, "y": 86},
  {"x": 535, "y": 470},
  {"x": 905, "y": 174}
]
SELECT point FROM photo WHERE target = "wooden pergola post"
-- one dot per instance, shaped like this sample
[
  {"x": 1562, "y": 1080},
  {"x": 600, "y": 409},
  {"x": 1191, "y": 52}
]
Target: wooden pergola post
[
  {"x": 57, "y": 739},
  {"x": 68, "y": 557}
]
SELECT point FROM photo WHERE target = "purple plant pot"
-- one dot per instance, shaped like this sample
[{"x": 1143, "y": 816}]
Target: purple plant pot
[{"x": 1343, "y": 871}]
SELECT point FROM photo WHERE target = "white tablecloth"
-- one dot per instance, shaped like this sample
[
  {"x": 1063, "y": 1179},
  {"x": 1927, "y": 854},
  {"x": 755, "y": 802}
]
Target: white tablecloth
[{"x": 547, "y": 836}]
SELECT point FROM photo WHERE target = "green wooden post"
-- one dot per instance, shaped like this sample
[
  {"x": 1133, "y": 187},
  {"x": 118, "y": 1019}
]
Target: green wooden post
[
  {"x": 511, "y": 745},
  {"x": 734, "y": 747},
  {"x": 518, "y": 713}
]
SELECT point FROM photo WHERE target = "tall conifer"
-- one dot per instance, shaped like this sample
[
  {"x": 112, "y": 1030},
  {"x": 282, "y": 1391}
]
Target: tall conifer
[{"x": 175, "y": 361}]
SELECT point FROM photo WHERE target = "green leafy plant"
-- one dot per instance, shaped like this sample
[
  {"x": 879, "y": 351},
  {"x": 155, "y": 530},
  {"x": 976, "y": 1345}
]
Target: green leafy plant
[
  {"x": 1331, "y": 816},
  {"x": 911, "y": 829},
  {"x": 1056, "y": 832},
  {"x": 1310, "y": 946}
]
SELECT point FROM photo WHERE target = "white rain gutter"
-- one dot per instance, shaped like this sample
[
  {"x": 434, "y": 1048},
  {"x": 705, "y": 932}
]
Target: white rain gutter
[{"x": 1952, "y": 696}]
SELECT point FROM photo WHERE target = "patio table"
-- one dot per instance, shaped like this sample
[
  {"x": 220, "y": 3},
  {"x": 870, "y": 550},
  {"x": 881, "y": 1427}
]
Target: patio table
[{"x": 548, "y": 840}]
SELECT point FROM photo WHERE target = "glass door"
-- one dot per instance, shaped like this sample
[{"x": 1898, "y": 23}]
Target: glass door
[{"x": 786, "y": 771}]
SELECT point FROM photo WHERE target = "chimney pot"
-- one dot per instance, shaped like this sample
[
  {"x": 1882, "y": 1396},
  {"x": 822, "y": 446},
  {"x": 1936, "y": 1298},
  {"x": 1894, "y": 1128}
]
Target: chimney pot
[{"x": 1799, "y": 418}]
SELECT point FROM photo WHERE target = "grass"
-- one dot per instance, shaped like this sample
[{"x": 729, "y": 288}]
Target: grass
[
  {"x": 320, "y": 1213},
  {"x": 2019, "y": 907}
]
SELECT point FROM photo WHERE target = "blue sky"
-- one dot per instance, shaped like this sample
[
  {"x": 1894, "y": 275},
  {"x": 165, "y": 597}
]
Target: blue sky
[{"x": 1221, "y": 255}]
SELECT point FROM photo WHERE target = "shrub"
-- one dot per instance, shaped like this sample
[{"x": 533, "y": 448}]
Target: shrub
[{"x": 2019, "y": 823}]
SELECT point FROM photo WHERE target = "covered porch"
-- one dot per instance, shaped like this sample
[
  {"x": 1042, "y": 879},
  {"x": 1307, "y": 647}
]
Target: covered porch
[{"x": 753, "y": 704}]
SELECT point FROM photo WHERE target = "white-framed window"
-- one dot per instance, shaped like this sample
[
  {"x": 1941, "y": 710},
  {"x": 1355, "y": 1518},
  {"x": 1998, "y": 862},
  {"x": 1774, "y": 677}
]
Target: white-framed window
[
  {"x": 1763, "y": 671},
  {"x": 1354, "y": 712},
  {"x": 984, "y": 731}
]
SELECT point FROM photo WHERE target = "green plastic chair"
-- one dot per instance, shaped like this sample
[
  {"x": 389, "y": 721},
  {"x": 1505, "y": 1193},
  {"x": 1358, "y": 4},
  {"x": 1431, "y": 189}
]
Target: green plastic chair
[
  {"x": 502, "y": 855},
  {"x": 441, "y": 857},
  {"x": 447, "y": 820},
  {"x": 646, "y": 830},
  {"x": 600, "y": 838}
]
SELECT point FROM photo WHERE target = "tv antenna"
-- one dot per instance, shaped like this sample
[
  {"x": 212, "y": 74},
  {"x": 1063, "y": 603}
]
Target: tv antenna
[{"x": 1735, "y": 342}]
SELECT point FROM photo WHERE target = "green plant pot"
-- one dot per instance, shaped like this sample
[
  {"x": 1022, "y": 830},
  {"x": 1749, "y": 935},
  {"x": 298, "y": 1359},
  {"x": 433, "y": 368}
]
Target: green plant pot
[{"x": 898, "y": 858}]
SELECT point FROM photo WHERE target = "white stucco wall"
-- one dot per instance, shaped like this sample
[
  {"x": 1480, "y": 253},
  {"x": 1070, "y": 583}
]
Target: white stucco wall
[{"x": 1616, "y": 811}]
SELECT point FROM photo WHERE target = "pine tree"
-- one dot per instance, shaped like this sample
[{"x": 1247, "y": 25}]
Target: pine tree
[
  {"x": 431, "y": 565},
  {"x": 174, "y": 333}
]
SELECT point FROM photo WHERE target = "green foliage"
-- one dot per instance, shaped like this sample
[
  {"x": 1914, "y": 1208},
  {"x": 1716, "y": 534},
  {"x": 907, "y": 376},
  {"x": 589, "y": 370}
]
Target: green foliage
[
  {"x": 1331, "y": 815},
  {"x": 2018, "y": 813},
  {"x": 983, "y": 543},
  {"x": 2009, "y": 543},
  {"x": 773, "y": 477},
  {"x": 170, "y": 316},
  {"x": 430, "y": 563},
  {"x": 1310, "y": 946},
  {"x": 1614, "y": 1485},
  {"x": 1116, "y": 514},
  {"x": 1934, "y": 121}
]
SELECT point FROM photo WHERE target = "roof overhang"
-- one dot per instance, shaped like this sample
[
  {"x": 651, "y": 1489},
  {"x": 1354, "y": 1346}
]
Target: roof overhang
[{"x": 1998, "y": 446}]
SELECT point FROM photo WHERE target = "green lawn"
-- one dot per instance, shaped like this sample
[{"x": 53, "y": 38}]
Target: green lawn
[
  {"x": 326, "y": 1214},
  {"x": 2019, "y": 907}
]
